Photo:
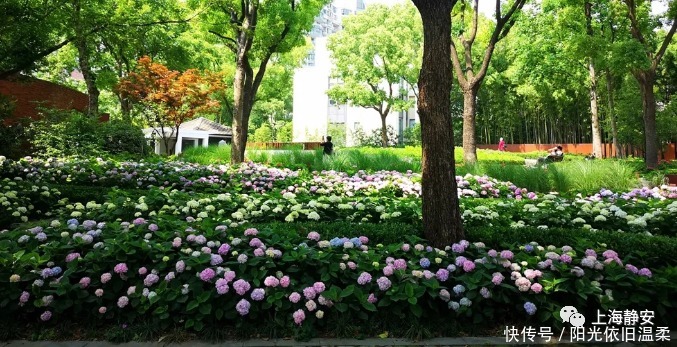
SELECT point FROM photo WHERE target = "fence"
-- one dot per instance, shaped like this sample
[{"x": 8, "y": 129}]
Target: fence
[
  {"x": 668, "y": 152},
  {"x": 284, "y": 145}
]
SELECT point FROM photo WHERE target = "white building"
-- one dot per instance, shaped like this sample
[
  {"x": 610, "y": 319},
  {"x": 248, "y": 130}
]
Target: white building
[
  {"x": 313, "y": 112},
  {"x": 199, "y": 132}
]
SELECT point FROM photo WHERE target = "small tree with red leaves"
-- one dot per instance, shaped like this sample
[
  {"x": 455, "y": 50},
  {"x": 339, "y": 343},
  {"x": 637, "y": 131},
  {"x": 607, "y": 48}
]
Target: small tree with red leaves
[{"x": 169, "y": 98}]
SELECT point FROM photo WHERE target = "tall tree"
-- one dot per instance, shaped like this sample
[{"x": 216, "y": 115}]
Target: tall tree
[
  {"x": 380, "y": 66},
  {"x": 31, "y": 30},
  {"x": 594, "y": 110},
  {"x": 254, "y": 31},
  {"x": 643, "y": 33},
  {"x": 469, "y": 76},
  {"x": 442, "y": 222}
]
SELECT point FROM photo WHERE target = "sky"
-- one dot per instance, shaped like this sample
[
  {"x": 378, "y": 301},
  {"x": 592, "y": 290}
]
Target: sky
[{"x": 488, "y": 6}]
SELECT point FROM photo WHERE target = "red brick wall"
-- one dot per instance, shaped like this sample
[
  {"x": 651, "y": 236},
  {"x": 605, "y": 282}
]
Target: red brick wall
[{"x": 28, "y": 93}]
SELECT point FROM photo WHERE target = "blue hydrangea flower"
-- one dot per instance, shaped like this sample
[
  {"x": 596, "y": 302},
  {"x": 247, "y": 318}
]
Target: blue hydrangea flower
[
  {"x": 530, "y": 308},
  {"x": 528, "y": 248},
  {"x": 458, "y": 289},
  {"x": 425, "y": 263}
]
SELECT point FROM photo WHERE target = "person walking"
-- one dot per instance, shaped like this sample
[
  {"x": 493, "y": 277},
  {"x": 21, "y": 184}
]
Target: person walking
[
  {"x": 501, "y": 145},
  {"x": 327, "y": 145}
]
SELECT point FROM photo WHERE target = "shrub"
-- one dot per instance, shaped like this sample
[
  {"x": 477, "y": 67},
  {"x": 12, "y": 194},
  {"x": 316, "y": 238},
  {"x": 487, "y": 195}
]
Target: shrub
[
  {"x": 373, "y": 139},
  {"x": 120, "y": 137},
  {"x": 61, "y": 133},
  {"x": 412, "y": 135},
  {"x": 651, "y": 251}
]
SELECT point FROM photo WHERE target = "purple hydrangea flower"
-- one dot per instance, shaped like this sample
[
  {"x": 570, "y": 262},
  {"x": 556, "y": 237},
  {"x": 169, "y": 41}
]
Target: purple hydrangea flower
[
  {"x": 383, "y": 283},
  {"x": 364, "y": 278},
  {"x": 241, "y": 286},
  {"x": 645, "y": 272},
  {"x": 207, "y": 274},
  {"x": 243, "y": 307},
  {"x": 442, "y": 274},
  {"x": 258, "y": 294}
]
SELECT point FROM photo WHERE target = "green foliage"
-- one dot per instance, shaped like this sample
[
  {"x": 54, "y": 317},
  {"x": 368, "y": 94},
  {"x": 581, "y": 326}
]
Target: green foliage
[
  {"x": 207, "y": 155},
  {"x": 263, "y": 134},
  {"x": 373, "y": 139},
  {"x": 60, "y": 134},
  {"x": 412, "y": 135},
  {"x": 337, "y": 131},
  {"x": 286, "y": 132},
  {"x": 641, "y": 250},
  {"x": 120, "y": 137},
  {"x": 13, "y": 135},
  {"x": 383, "y": 64}
]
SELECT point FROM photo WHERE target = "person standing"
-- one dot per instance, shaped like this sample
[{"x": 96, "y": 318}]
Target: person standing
[
  {"x": 501, "y": 145},
  {"x": 327, "y": 145}
]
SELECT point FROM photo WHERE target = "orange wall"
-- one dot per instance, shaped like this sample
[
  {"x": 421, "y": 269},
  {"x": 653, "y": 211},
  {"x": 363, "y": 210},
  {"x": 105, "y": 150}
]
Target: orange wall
[{"x": 669, "y": 152}]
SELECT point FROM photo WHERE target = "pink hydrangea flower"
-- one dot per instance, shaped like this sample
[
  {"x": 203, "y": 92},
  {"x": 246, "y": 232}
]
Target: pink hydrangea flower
[
  {"x": 295, "y": 297},
  {"x": 319, "y": 287},
  {"x": 314, "y": 235},
  {"x": 468, "y": 266},
  {"x": 285, "y": 281},
  {"x": 84, "y": 282},
  {"x": 536, "y": 287},
  {"x": 120, "y": 268},
  {"x": 106, "y": 277},
  {"x": 299, "y": 316},
  {"x": 72, "y": 256},
  {"x": 123, "y": 301},
  {"x": 251, "y": 232},
  {"x": 271, "y": 281}
]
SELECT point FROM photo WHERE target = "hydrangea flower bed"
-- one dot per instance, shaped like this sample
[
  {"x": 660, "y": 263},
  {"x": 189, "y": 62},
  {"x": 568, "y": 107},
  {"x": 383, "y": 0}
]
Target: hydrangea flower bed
[
  {"x": 175, "y": 245},
  {"x": 256, "y": 193},
  {"x": 195, "y": 274}
]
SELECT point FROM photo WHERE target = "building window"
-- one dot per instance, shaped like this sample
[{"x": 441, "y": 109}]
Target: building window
[
  {"x": 356, "y": 125},
  {"x": 412, "y": 123},
  {"x": 310, "y": 60}
]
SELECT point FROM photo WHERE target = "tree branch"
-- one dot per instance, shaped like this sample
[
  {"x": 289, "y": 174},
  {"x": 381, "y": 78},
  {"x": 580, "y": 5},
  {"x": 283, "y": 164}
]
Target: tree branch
[
  {"x": 231, "y": 43},
  {"x": 664, "y": 46},
  {"x": 457, "y": 65},
  {"x": 28, "y": 62}
]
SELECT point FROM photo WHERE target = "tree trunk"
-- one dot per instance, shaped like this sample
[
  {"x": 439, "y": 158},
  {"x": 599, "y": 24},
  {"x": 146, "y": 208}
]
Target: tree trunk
[
  {"x": 239, "y": 139},
  {"x": 442, "y": 222},
  {"x": 612, "y": 115},
  {"x": 384, "y": 131},
  {"x": 646, "y": 81},
  {"x": 83, "y": 63},
  {"x": 469, "y": 138},
  {"x": 594, "y": 113}
]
